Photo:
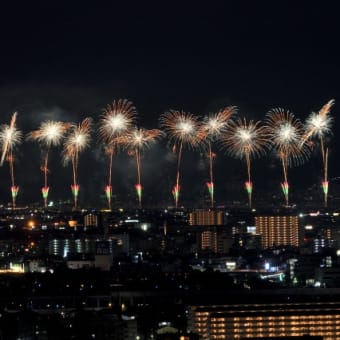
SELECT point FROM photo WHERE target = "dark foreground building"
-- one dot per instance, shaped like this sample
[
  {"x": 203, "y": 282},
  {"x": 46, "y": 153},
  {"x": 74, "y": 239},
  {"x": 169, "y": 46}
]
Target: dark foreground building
[{"x": 304, "y": 337}]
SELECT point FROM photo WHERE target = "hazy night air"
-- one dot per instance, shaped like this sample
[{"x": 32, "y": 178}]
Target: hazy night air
[
  {"x": 210, "y": 130},
  {"x": 137, "y": 140},
  {"x": 318, "y": 125},
  {"x": 117, "y": 119},
  {"x": 76, "y": 142},
  {"x": 245, "y": 140},
  {"x": 10, "y": 138},
  {"x": 49, "y": 134},
  {"x": 280, "y": 134},
  {"x": 285, "y": 132},
  {"x": 183, "y": 129},
  {"x": 65, "y": 62}
]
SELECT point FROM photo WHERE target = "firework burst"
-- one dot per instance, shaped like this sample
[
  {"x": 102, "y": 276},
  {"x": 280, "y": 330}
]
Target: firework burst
[
  {"x": 318, "y": 125},
  {"x": 10, "y": 137},
  {"x": 50, "y": 133},
  {"x": 138, "y": 140},
  {"x": 76, "y": 142},
  {"x": 181, "y": 128},
  {"x": 285, "y": 133},
  {"x": 116, "y": 120},
  {"x": 209, "y": 131},
  {"x": 245, "y": 140}
]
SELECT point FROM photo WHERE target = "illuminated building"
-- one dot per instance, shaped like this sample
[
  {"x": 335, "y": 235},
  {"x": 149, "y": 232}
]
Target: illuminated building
[
  {"x": 209, "y": 239},
  {"x": 210, "y": 236},
  {"x": 214, "y": 238},
  {"x": 90, "y": 220},
  {"x": 62, "y": 247},
  {"x": 72, "y": 223},
  {"x": 266, "y": 320},
  {"x": 278, "y": 230},
  {"x": 206, "y": 217}
]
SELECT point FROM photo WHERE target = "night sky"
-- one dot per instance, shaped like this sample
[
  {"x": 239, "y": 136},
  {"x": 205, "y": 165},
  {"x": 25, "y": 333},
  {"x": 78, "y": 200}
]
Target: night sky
[{"x": 68, "y": 60}]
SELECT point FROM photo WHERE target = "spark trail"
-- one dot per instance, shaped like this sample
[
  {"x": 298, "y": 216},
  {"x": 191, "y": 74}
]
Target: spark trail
[
  {"x": 182, "y": 128},
  {"x": 138, "y": 140},
  {"x": 209, "y": 131},
  {"x": 285, "y": 132},
  {"x": 318, "y": 125},
  {"x": 245, "y": 140},
  {"x": 116, "y": 120},
  {"x": 76, "y": 141},
  {"x": 10, "y": 137},
  {"x": 50, "y": 133}
]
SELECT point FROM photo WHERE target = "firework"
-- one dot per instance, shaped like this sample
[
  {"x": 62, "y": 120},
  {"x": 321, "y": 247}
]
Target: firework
[
  {"x": 175, "y": 192},
  {"x": 14, "y": 191},
  {"x": 285, "y": 133},
  {"x": 108, "y": 193},
  {"x": 50, "y": 133},
  {"x": 117, "y": 119},
  {"x": 76, "y": 142},
  {"x": 10, "y": 137},
  {"x": 138, "y": 140},
  {"x": 44, "y": 191},
  {"x": 318, "y": 125},
  {"x": 209, "y": 131},
  {"x": 245, "y": 140},
  {"x": 139, "y": 189},
  {"x": 210, "y": 186},
  {"x": 182, "y": 128}
]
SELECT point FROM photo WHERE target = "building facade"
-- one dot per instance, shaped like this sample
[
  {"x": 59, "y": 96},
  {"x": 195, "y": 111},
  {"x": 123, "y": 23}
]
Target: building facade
[
  {"x": 278, "y": 230},
  {"x": 266, "y": 320},
  {"x": 90, "y": 220},
  {"x": 206, "y": 217}
]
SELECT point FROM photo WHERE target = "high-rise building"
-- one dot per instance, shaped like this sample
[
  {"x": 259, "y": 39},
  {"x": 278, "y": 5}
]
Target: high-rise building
[
  {"x": 90, "y": 220},
  {"x": 217, "y": 239},
  {"x": 266, "y": 320},
  {"x": 206, "y": 217},
  {"x": 278, "y": 230},
  {"x": 63, "y": 247},
  {"x": 209, "y": 240}
]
